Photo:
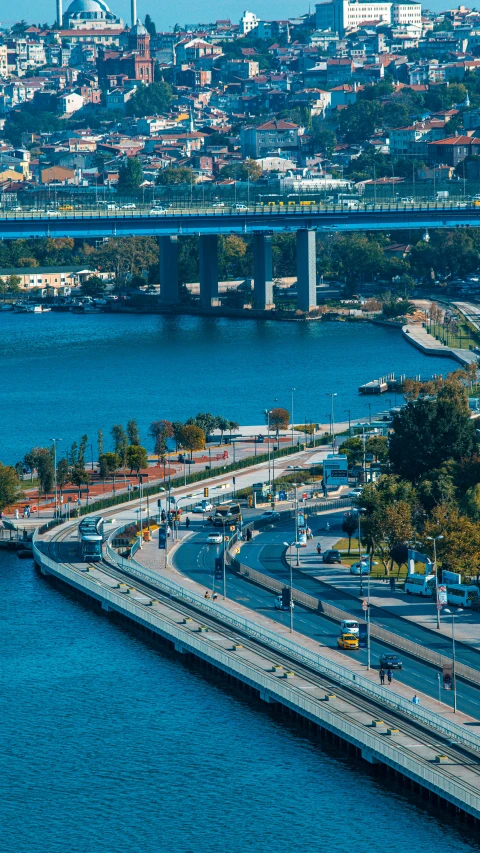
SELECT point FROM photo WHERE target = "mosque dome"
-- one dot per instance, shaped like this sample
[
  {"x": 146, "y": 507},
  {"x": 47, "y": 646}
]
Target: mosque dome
[{"x": 85, "y": 7}]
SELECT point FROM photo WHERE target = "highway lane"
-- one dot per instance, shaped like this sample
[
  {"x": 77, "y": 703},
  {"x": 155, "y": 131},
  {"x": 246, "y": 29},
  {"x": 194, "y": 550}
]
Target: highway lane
[
  {"x": 265, "y": 553},
  {"x": 196, "y": 559}
]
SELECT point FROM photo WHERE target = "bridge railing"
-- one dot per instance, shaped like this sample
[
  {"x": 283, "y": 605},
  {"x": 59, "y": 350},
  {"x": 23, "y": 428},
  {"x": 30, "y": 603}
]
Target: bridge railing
[
  {"x": 438, "y": 780},
  {"x": 295, "y": 652}
]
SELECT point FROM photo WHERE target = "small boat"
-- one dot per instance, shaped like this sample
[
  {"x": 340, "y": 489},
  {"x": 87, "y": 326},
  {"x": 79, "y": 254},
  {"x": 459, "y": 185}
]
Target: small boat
[{"x": 37, "y": 309}]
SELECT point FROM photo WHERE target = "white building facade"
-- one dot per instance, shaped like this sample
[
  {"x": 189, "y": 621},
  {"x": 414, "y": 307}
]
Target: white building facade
[{"x": 341, "y": 16}]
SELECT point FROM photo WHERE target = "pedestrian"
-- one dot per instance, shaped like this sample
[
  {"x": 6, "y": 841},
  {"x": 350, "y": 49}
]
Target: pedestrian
[
  {"x": 416, "y": 700},
  {"x": 214, "y": 596},
  {"x": 319, "y": 549},
  {"x": 207, "y": 594},
  {"x": 389, "y": 675},
  {"x": 187, "y": 522},
  {"x": 382, "y": 675}
]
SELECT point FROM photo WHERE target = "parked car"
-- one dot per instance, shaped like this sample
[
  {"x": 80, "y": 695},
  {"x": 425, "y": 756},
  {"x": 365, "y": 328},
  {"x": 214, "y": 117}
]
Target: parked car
[
  {"x": 349, "y": 626},
  {"x": 389, "y": 661},
  {"x": 332, "y": 556},
  {"x": 215, "y": 538}
]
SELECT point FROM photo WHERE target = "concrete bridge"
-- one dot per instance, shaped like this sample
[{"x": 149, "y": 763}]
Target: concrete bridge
[{"x": 258, "y": 221}]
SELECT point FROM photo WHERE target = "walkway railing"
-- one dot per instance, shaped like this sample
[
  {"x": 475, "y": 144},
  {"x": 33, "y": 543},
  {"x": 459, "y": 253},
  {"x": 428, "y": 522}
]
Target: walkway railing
[{"x": 334, "y": 672}]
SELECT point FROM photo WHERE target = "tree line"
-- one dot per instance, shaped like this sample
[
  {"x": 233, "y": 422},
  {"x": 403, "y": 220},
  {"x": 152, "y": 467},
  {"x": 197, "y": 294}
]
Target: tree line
[{"x": 430, "y": 481}]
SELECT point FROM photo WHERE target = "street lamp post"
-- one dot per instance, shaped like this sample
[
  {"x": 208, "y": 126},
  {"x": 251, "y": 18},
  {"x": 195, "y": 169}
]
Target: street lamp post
[
  {"x": 349, "y": 420},
  {"x": 291, "y": 413},
  {"x": 434, "y": 540},
  {"x": 454, "y": 674},
  {"x": 296, "y": 468},
  {"x": 332, "y": 420},
  {"x": 54, "y": 440},
  {"x": 289, "y": 546},
  {"x": 267, "y": 413}
]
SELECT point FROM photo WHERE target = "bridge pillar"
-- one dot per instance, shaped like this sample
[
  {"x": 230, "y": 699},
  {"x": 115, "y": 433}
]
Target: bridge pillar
[
  {"x": 208, "y": 246},
  {"x": 169, "y": 287},
  {"x": 306, "y": 270},
  {"x": 262, "y": 272}
]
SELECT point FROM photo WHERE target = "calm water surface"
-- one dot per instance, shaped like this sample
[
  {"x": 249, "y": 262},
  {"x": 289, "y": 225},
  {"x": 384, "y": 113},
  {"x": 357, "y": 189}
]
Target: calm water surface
[
  {"x": 110, "y": 746},
  {"x": 65, "y": 375}
]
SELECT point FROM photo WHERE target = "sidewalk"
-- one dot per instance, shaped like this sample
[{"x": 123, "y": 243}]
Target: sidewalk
[{"x": 151, "y": 557}]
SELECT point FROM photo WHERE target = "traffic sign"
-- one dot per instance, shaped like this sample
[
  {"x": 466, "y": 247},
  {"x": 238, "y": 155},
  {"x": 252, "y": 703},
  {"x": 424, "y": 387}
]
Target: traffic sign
[
  {"x": 439, "y": 606},
  {"x": 364, "y": 605}
]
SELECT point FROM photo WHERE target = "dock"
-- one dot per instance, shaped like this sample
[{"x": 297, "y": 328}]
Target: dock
[{"x": 390, "y": 383}]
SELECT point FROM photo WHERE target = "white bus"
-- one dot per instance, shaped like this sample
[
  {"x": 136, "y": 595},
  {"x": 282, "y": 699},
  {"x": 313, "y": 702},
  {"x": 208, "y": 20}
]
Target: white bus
[
  {"x": 462, "y": 594},
  {"x": 420, "y": 585}
]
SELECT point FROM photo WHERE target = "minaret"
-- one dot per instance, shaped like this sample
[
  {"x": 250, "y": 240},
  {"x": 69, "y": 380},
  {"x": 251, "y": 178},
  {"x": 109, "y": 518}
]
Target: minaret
[
  {"x": 60, "y": 14},
  {"x": 133, "y": 11}
]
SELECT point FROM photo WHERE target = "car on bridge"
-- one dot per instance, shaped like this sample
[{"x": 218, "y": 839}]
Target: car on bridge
[
  {"x": 360, "y": 568},
  {"x": 390, "y": 661},
  {"x": 269, "y": 515},
  {"x": 348, "y": 642},
  {"x": 239, "y": 207},
  {"x": 349, "y": 626}
]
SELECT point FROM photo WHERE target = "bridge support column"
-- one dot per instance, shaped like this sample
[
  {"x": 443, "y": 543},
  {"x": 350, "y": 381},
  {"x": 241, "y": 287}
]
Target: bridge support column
[
  {"x": 367, "y": 755},
  {"x": 105, "y": 606},
  {"x": 306, "y": 270},
  {"x": 208, "y": 254},
  {"x": 169, "y": 287},
  {"x": 262, "y": 272}
]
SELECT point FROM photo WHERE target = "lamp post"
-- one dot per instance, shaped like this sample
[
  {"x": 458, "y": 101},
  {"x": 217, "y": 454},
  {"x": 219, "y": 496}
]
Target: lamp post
[
  {"x": 454, "y": 674},
  {"x": 349, "y": 420},
  {"x": 296, "y": 468},
  {"x": 434, "y": 540},
  {"x": 332, "y": 420},
  {"x": 267, "y": 413},
  {"x": 288, "y": 545},
  {"x": 292, "y": 390},
  {"x": 360, "y": 511},
  {"x": 54, "y": 441}
]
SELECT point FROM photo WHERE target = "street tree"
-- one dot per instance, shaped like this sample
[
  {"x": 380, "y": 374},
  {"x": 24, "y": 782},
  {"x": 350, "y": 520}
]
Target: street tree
[
  {"x": 192, "y": 437},
  {"x": 429, "y": 432},
  {"x": 136, "y": 458},
  {"x": 79, "y": 475},
  {"x": 44, "y": 466},
  {"x": 119, "y": 438},
  {"x": 100, "y": 442},
  {"x": 278, "y": 419},
  {"x": 459, "y": 549},
  {"x": 173, "y": 175},
  {"x": 378, "y": 447},
  {"x": 349, "y": 526},
  {"x": 63, "y": 473},
  {"x": 243, "y": 170},
  {"x": 10, "y": 486},
  {"x": 177, "y": 427},
  {"x": 109, "y": 464},
  {"x": 130, "y": 174},
  {"x": 353, "y": 450},
  {"x": 223, "y": 425},
  {"x": 133, "y": 432}
]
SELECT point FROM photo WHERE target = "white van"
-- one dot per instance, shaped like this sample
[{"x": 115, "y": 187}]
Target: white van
[
  {"x": 349, "y": 626},
  {"x": 462, "y": 594},
  {"x": 420, "y": 585}
]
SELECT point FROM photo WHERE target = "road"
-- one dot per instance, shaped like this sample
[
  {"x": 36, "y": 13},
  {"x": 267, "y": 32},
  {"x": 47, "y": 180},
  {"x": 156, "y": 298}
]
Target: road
[
  {"x": 195, "y": 558},
  {"x": 265, "y": 554}
]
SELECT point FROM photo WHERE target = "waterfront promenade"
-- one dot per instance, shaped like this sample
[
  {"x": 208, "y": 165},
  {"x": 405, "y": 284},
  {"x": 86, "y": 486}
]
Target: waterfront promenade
[{"x": 417, "y": 335}]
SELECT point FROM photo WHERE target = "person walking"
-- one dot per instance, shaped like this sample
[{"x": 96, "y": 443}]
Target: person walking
[
  {"x": 416, "y": 700},
  {"x": 187, "y": 522},
  {"x": 389, "y": 675},
  {"x": 214, "y": 596},
  {"x": 319, "y": 549},
  {"x": 207, "y": 594},
  {"x": 382, "y": 675}
]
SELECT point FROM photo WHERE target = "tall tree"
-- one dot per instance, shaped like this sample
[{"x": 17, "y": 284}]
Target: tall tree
[
  {"x": 136, "y": 458},
  {"x": 10, "y": 486},
  {"x": 192, "y": 438},
  {"x": 130, "y": 174},
  {"x": 133, "y": 432}
]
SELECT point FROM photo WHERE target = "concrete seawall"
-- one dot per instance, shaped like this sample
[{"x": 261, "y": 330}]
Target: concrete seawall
[{"x": 424, "y": 341}]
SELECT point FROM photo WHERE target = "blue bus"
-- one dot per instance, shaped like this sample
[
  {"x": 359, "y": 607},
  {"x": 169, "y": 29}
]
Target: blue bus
[{"x": 90, "y": 531}]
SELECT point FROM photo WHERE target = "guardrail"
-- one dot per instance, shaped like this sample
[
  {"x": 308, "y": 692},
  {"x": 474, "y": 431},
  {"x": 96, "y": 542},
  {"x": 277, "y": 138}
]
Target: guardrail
[
  {"x": 463, "y": 795},
  {"x": 337, "y": 614},
  {"x": 334, "y": 672}
]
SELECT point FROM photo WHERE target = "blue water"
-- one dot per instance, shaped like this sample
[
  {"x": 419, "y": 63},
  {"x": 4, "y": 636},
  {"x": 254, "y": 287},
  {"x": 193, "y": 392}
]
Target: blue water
[
  {"x": 111, "y": 746},
  {"x": 64, "y": 375}
]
